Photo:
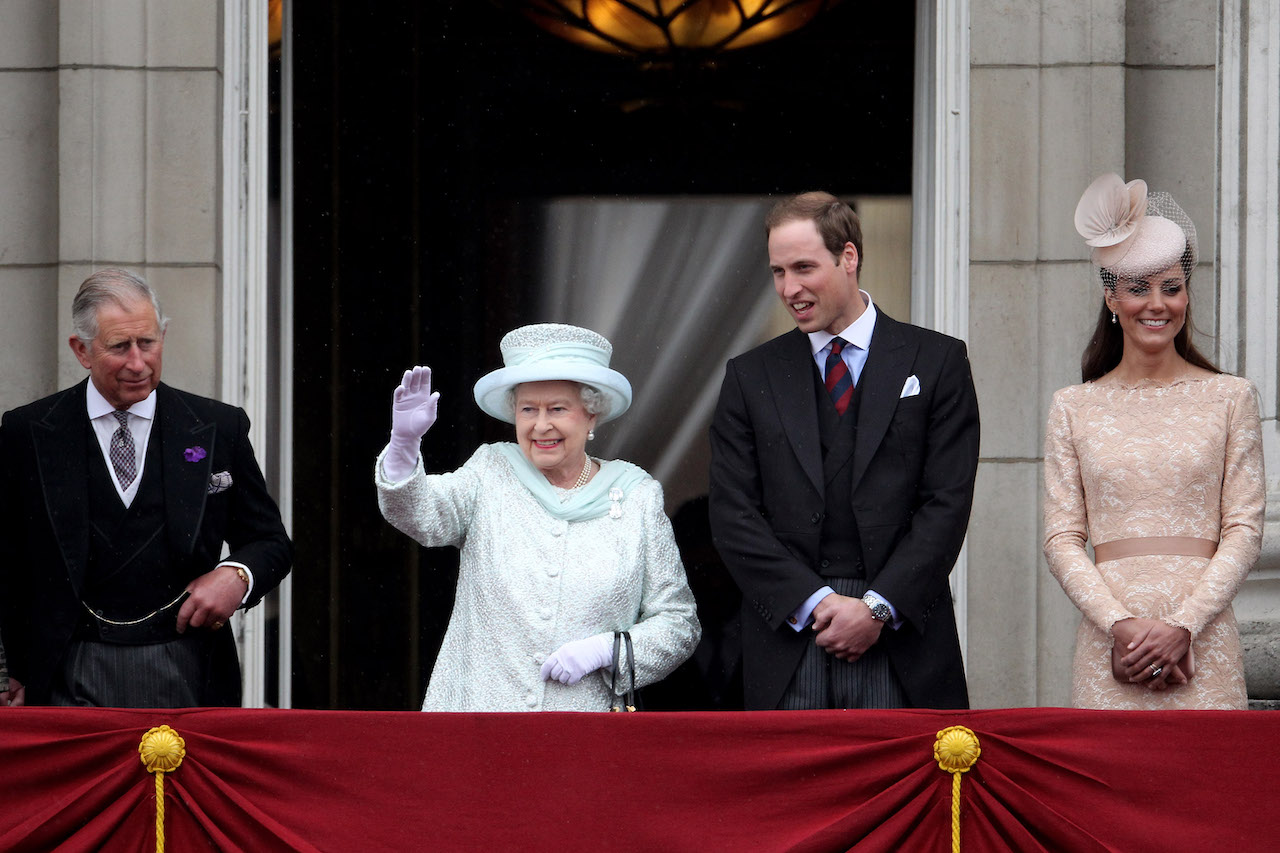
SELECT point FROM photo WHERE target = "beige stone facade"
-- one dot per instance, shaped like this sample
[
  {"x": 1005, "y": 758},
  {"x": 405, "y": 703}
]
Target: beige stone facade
[{"x": 109, "y": 145}]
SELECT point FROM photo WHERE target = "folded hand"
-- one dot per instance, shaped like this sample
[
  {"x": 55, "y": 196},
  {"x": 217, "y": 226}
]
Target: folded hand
[
  {"x": 845, "y": 626},
  {"x": 1150, "y": 652}
]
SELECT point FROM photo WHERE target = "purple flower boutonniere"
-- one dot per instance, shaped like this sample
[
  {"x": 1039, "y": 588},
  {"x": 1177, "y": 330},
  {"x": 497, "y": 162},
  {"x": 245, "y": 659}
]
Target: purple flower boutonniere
[{"x": 194, "y": 454}]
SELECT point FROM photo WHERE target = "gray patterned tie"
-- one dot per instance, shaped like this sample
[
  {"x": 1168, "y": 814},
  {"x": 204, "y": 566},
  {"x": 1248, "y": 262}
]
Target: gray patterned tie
[{"x": 123, "y": 457}]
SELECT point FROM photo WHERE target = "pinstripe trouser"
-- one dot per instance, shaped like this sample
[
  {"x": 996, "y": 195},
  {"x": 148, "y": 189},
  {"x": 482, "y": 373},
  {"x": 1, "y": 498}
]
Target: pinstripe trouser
[
  {"x": 824, "y": 681},
  {"x": 160, "y": 675}
]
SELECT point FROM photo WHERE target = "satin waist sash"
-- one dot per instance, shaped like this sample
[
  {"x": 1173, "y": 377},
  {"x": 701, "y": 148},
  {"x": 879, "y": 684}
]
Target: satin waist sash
[{"x": 1152, "y": 546}]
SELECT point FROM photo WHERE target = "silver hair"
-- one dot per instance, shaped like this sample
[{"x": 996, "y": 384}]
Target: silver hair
[
  {"x": 593, "y": 400},
  {"x": 110, "y": 286}
]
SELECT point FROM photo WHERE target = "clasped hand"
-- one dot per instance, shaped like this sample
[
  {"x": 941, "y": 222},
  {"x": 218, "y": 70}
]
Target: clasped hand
[
  {"x": 845, "y": 626},
  {"x": 1153, "y": 652}
]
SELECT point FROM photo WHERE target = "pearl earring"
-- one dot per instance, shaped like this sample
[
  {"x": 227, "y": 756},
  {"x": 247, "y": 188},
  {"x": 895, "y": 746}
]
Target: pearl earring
[
  {"x": 1113, "y": 316},
  {"x": 591, "y": 435}
]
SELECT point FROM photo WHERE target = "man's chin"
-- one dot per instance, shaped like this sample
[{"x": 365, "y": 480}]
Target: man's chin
[{"x": 131, "y": 395}]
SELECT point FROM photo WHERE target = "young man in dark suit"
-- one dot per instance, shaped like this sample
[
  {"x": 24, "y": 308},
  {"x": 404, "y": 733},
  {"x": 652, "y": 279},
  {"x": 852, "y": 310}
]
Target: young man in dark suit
[
  {"x": 843, "y": 461},
  {"x": 116, "y": 496}
]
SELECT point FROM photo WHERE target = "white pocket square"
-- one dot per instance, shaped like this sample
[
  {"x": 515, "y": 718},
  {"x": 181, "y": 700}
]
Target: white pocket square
[
  {"x": 219, "y": 482},
  {"x": 911, "y": 387}
]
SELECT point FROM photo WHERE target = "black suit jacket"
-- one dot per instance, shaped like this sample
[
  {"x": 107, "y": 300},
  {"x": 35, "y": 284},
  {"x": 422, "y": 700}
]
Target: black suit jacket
[
  {"x": 45, "y": 449},
  {"x": 914, "y": 463}
]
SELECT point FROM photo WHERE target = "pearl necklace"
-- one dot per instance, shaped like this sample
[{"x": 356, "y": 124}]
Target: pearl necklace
[{"x": 584, "y": 476}]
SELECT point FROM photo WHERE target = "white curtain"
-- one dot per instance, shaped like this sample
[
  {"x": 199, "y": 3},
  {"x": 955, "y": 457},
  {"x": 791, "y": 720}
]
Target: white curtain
[{"x": 678, "y": 286}]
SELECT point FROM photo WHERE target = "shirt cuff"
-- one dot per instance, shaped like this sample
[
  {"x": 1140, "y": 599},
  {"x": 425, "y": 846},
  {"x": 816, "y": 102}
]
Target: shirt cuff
[
  {"x": 248, "y": 571},
  {"x": 802, "y": 616},
  {"x": 895, "y": 621}
]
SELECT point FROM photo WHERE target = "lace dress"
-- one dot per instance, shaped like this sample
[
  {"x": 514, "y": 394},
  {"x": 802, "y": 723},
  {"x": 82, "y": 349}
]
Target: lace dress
[{"x": 1176, "y": 459}]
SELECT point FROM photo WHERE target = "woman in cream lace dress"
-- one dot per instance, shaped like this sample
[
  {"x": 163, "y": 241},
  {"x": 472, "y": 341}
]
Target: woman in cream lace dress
[{"x": 1157, "y": 461}]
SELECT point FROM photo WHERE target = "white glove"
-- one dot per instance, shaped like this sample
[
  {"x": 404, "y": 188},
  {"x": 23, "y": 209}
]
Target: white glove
[
  {"x": 413, "y": 411},
  {"x": 577, "y": 658}
]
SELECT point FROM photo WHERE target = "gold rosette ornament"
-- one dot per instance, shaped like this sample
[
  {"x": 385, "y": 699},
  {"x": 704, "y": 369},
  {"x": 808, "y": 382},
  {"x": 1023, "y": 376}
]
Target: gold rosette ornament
[
  {"x": 162, "y": 750},
  {"x": 956, "y": 750}
]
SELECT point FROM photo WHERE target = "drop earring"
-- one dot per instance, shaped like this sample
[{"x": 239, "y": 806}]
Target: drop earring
[
  {"x": 591, "y": 435},
  {"x": 1113, "y": 316}
]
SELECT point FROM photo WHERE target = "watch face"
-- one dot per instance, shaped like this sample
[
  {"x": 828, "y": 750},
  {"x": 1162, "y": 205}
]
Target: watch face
[{"x": 879, "y": 610}]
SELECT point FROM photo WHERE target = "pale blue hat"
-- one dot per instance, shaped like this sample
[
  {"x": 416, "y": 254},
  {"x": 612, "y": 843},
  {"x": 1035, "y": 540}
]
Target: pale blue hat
[{"x": 553, "y": 351}]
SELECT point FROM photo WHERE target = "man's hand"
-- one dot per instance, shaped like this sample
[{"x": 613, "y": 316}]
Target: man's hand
[
  {"x": 214, "y": 597},
  {"x": 15, "y": 696},
  {"x": 845, "y": 626}
]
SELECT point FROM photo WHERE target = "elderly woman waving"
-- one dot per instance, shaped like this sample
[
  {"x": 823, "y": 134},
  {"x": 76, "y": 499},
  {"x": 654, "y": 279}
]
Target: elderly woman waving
[{"x": 559, "y": 550}]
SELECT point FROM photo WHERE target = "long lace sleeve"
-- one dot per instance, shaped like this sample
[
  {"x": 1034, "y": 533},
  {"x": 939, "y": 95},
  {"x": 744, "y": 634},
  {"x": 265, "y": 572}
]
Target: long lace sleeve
[
  {"x": 1243, "y": 506},
  {"x": 1066, "y": 524}
]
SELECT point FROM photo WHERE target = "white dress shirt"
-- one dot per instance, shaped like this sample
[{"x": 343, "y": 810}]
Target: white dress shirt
[{"x": 141, "y": 415}]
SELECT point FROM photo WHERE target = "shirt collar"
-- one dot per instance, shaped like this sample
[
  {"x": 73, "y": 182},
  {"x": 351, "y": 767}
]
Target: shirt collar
[
  {"x": 98, "y": 405},
  {"x": 857, "y": 333}
]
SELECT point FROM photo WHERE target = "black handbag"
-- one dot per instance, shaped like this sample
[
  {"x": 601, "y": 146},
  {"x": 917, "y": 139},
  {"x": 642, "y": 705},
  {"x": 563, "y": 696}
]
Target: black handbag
[{"x": 621, "y": 639}]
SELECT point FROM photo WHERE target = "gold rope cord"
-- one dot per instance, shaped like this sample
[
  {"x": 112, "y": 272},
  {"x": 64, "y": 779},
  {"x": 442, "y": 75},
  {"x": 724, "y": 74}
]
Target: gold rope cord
[
  {"x": 161, "y": 751},
  {"x": 956, "y": 750}
]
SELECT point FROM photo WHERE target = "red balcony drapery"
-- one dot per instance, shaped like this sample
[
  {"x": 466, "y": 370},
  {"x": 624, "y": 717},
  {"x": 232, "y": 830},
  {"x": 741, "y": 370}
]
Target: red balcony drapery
[{"x": 1047, "y": 780}]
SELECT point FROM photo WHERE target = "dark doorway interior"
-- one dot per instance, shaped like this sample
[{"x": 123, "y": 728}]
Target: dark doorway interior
[{"x": 424, "y": 135}]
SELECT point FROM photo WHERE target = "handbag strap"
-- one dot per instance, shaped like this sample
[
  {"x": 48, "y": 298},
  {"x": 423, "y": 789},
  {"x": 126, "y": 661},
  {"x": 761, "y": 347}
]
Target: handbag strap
[{"x": 619, "y": 639}]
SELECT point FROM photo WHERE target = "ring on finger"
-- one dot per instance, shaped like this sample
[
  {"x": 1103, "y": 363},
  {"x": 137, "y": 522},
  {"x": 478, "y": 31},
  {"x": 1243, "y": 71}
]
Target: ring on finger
[{"x": 1156, "y": 670}]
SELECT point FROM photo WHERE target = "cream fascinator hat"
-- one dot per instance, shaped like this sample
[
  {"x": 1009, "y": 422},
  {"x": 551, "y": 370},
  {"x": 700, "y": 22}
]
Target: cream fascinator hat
[
  {"x": 1133, "y": 234},
  {"x": 553, "y": 351}
]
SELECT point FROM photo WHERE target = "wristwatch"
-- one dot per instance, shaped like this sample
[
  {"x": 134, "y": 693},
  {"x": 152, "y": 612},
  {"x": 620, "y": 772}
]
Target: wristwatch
[{"x": 879, "y": 610}]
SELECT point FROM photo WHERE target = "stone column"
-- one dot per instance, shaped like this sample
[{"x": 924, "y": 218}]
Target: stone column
[
  {"x": 29, "y": 202},
  {"x": 1048, "y": 114},
  {"x": 136, "y": 145},
  {"x": 1248, "y": 181}
]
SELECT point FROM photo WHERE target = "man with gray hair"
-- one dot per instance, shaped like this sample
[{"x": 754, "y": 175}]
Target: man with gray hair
[{"x": 116, "y": 497}]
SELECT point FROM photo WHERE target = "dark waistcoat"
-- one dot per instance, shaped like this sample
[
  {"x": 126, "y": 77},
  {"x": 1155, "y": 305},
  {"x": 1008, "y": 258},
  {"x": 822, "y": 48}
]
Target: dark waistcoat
[
  {"x": 130, "y": 571},
  {"x": 841, "y": 548}
]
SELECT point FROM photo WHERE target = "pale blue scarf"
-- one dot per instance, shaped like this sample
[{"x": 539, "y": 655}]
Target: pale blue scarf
[{"x": 591, "y": 501}]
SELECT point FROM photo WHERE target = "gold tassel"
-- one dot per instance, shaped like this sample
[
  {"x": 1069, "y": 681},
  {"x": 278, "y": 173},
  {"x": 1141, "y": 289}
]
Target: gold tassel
[
  {"x": 956, "y": 750},
  {"x": 162, "y": 751}
]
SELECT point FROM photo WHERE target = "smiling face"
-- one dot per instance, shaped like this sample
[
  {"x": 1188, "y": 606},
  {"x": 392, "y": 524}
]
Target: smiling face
[
  {"x": 124, "y": 358},
  {"x": 1151, "y": 311},
  {"x": 819, "y": 290},
  {"x": 551, "y": 428}
]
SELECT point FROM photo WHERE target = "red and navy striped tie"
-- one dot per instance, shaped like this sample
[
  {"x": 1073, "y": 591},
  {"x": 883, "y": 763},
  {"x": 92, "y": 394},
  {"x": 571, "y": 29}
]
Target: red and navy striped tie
[{"x": 839, "y": 379}]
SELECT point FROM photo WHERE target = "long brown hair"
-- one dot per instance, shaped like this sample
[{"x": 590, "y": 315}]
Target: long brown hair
[{"x": 1106, "y": 346}]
